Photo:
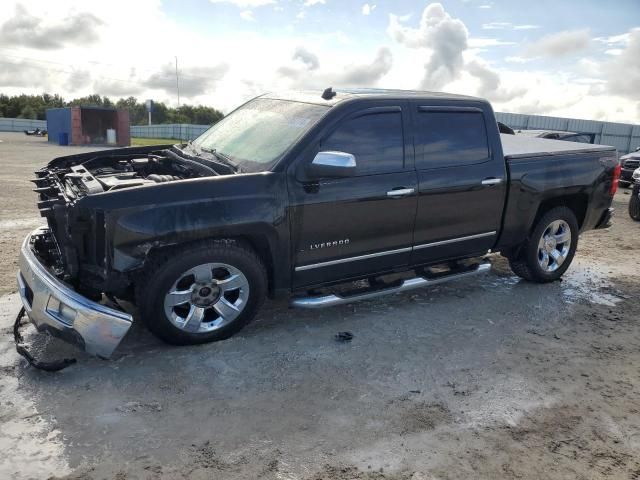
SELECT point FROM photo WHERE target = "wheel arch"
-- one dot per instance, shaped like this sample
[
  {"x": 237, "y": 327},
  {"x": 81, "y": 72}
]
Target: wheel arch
[
  {"x": 576, "y": 202},
  {"x": 259, "y": 243}
]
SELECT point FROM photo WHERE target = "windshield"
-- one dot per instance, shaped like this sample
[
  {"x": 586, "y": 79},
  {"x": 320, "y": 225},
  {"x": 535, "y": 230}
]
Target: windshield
[{"x": 256, "y": 135}]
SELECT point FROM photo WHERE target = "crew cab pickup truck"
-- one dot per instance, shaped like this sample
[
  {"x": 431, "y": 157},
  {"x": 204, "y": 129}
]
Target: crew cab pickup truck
[{"x": 301, "y": 193}]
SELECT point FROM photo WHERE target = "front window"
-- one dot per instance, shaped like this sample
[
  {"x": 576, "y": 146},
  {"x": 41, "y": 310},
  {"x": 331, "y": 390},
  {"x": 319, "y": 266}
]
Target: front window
[{"x": 255, "y": 136}]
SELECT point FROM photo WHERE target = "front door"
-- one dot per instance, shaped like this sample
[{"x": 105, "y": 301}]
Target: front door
[{"x": 347, "y": 227}]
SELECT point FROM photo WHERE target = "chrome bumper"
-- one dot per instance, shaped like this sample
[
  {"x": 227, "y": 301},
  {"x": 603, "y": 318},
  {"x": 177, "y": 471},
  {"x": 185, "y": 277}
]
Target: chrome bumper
[{"x": 54, "y": 307}]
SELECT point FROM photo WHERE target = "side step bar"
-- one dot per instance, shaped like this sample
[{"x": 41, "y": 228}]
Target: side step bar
[{"x": 322, "y": 301}]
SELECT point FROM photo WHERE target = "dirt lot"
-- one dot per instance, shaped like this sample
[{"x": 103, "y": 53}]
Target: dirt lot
[{"x": 489, "y": 378}]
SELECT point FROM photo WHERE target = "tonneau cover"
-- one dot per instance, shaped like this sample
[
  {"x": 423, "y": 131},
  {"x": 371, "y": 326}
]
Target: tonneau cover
[{"x": 520, "y": 146}]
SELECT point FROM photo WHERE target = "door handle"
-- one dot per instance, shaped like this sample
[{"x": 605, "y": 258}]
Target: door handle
[
  {"x": 487, "y": 182},
  {"x": 400, "y": 192}
]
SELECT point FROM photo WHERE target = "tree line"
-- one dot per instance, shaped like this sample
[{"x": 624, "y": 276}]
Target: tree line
[{"x": 34, "y": 107}]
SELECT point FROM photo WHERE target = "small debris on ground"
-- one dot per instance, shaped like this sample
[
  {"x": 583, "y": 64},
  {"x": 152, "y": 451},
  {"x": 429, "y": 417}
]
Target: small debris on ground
[{"x": 343, "y": 336}]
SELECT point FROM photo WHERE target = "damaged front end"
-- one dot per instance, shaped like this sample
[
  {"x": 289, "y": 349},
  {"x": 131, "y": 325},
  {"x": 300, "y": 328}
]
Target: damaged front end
[
  {"x": 64, "y": 268},
  {"x": 55, "y": 307}
]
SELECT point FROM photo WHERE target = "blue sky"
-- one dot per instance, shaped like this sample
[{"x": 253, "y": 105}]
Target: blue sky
[{"x": 571, "y": 58}]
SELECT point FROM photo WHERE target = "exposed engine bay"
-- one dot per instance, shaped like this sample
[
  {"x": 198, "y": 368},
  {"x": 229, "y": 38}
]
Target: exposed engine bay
[{"x": 115, "y": 172}]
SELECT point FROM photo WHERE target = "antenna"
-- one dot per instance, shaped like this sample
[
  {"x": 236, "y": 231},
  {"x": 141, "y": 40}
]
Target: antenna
[{"x": 328, "y": 93}]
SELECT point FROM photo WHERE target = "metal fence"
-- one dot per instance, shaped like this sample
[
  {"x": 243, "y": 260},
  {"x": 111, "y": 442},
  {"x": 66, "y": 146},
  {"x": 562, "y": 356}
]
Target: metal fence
[
  {"x": 20, "y": 124},
  {"x": 177, "y": 131},
  {"x": 625, "y": 137}
]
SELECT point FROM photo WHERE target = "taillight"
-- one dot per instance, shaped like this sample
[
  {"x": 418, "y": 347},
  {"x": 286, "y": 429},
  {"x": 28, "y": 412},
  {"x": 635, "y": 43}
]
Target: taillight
[{"x": 616, "y": 177}]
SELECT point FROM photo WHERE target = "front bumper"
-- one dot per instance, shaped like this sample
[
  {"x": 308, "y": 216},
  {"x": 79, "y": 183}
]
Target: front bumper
[
  {"x": 54, "y": 307},
  {"x": 626, "y": 175}
]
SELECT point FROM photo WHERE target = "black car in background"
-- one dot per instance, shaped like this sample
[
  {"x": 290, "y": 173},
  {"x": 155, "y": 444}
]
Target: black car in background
[
  {"x": 629, "y": 163},
  {"x": 580, "y": 137}
]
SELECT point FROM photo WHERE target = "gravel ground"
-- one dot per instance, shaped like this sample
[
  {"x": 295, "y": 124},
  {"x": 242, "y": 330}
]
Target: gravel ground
[{"x": 489, "y": 377}]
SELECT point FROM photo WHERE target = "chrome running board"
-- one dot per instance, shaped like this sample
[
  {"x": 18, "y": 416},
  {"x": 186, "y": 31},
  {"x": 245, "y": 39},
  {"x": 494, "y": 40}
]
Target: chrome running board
[{"x": 322, "y": 301}]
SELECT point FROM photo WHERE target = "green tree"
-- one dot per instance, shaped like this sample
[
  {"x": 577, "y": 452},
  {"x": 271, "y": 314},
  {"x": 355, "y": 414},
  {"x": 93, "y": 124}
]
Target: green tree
[
  {"x": 28, "y": 112},
  {"x": 35, "y": 107}
]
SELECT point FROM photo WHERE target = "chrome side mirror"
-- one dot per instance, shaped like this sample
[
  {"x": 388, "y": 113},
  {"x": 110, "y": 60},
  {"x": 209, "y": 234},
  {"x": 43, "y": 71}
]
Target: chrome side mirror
[{"x": 332, "y": 164}]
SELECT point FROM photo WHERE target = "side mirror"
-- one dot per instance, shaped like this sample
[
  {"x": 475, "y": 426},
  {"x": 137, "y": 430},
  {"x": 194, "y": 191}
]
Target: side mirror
[{"x": 332, "y": 164}]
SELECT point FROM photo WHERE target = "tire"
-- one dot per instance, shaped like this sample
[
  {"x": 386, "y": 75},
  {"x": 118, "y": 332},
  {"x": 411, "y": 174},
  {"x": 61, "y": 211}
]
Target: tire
[
  {"x": 544, "y": 243},
  {"x": 624, "y": 184},
  {"x": 634, "y": 204},
  {"x": 204, "y": 294}
]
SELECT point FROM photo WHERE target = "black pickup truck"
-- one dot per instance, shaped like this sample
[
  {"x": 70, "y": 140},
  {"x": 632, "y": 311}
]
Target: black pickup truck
[{"x": 301, "y": 193}]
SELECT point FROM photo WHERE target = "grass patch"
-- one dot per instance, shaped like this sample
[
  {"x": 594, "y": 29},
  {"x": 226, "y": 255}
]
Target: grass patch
[{"x": 136, "y": 141}]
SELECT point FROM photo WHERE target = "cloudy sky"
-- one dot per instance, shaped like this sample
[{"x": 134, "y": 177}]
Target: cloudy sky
[{"x": 569, "y": 58}]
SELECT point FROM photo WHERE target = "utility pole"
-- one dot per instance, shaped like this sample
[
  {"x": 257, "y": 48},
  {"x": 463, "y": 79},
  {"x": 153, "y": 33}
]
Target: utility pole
[{"x": 177, "y": 82}]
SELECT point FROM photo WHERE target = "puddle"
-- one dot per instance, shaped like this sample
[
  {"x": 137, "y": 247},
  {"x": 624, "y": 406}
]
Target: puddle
[
  {"x": 32, "y": 447},
  {"x": 590, "y": 282}
]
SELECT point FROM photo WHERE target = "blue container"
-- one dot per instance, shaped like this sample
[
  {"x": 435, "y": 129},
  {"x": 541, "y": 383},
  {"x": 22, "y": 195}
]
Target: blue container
[{"x": 63, "y": 138}]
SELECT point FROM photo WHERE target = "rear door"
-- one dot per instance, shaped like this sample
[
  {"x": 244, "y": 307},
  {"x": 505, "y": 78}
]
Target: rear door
[
  {"x": 348, "y": 227},
  {"x": 461, "y": 181}
]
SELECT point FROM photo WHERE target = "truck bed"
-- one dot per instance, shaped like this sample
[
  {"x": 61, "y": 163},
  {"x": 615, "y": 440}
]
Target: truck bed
[{"x": 521, "y": 146}]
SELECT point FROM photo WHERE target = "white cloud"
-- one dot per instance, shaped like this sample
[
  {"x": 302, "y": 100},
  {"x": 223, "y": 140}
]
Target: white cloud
[
  {"x": 496, "y": 25},
  {"x": 490, "y": 83},
  {"x": 311, "y": 3},
  {"x": 368, "y": 9},
  {"x": 309, "y": 59},
  {"x": 614, "y": 51},
  {"x": 445, "y": 37},
  {"x": 487, "y": 42},
  {"x": 25, "y": 29},
  {"x": 246, "y": 3},
  {"x": 368, "y": 74},
  {"x": 623, "y": 71},
  {"x": 559, "y": 44},
  {"x": 621, "y": 39},
  {"x": 247, "y": 15},
  {"x": 485, "y": 6},
  {"x": 507, "y": 26},
  {"x": 516, "y": 59},
  {"x": 304, "y": 71}
]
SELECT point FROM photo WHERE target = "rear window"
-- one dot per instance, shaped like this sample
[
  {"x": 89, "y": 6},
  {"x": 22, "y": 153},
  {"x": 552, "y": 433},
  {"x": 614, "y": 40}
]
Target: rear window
[{"x": 447, "y": 139}]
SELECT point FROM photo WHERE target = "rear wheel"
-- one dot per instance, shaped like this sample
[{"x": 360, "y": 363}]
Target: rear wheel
[
  {"x": 205, "y": 294},
  {"x": 549, "y": 250}
]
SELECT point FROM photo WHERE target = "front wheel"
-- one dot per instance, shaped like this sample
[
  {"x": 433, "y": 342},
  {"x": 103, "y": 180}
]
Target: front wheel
[
  {"x": 549, "y": 249},
  {"x": 203, "y": 294}
]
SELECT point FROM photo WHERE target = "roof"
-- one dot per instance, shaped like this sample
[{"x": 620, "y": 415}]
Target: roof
[
  {"x": 518, "y": 146},
  {"x": 342, "y": 95}
]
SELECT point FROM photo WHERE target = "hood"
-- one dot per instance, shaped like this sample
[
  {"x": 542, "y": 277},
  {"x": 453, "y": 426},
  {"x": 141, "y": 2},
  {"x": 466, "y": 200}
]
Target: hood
[{"x": 632, "y": 155}]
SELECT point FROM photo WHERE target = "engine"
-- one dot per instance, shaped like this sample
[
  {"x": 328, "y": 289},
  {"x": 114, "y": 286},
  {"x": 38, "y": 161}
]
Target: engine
[
  {"x": 67, "y": 181},
  {"x": 101, "y": 175}
]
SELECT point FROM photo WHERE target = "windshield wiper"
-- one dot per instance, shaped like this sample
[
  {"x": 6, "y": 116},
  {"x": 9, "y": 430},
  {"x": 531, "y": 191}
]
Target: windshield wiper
[{"x": 224, "y": 159}]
